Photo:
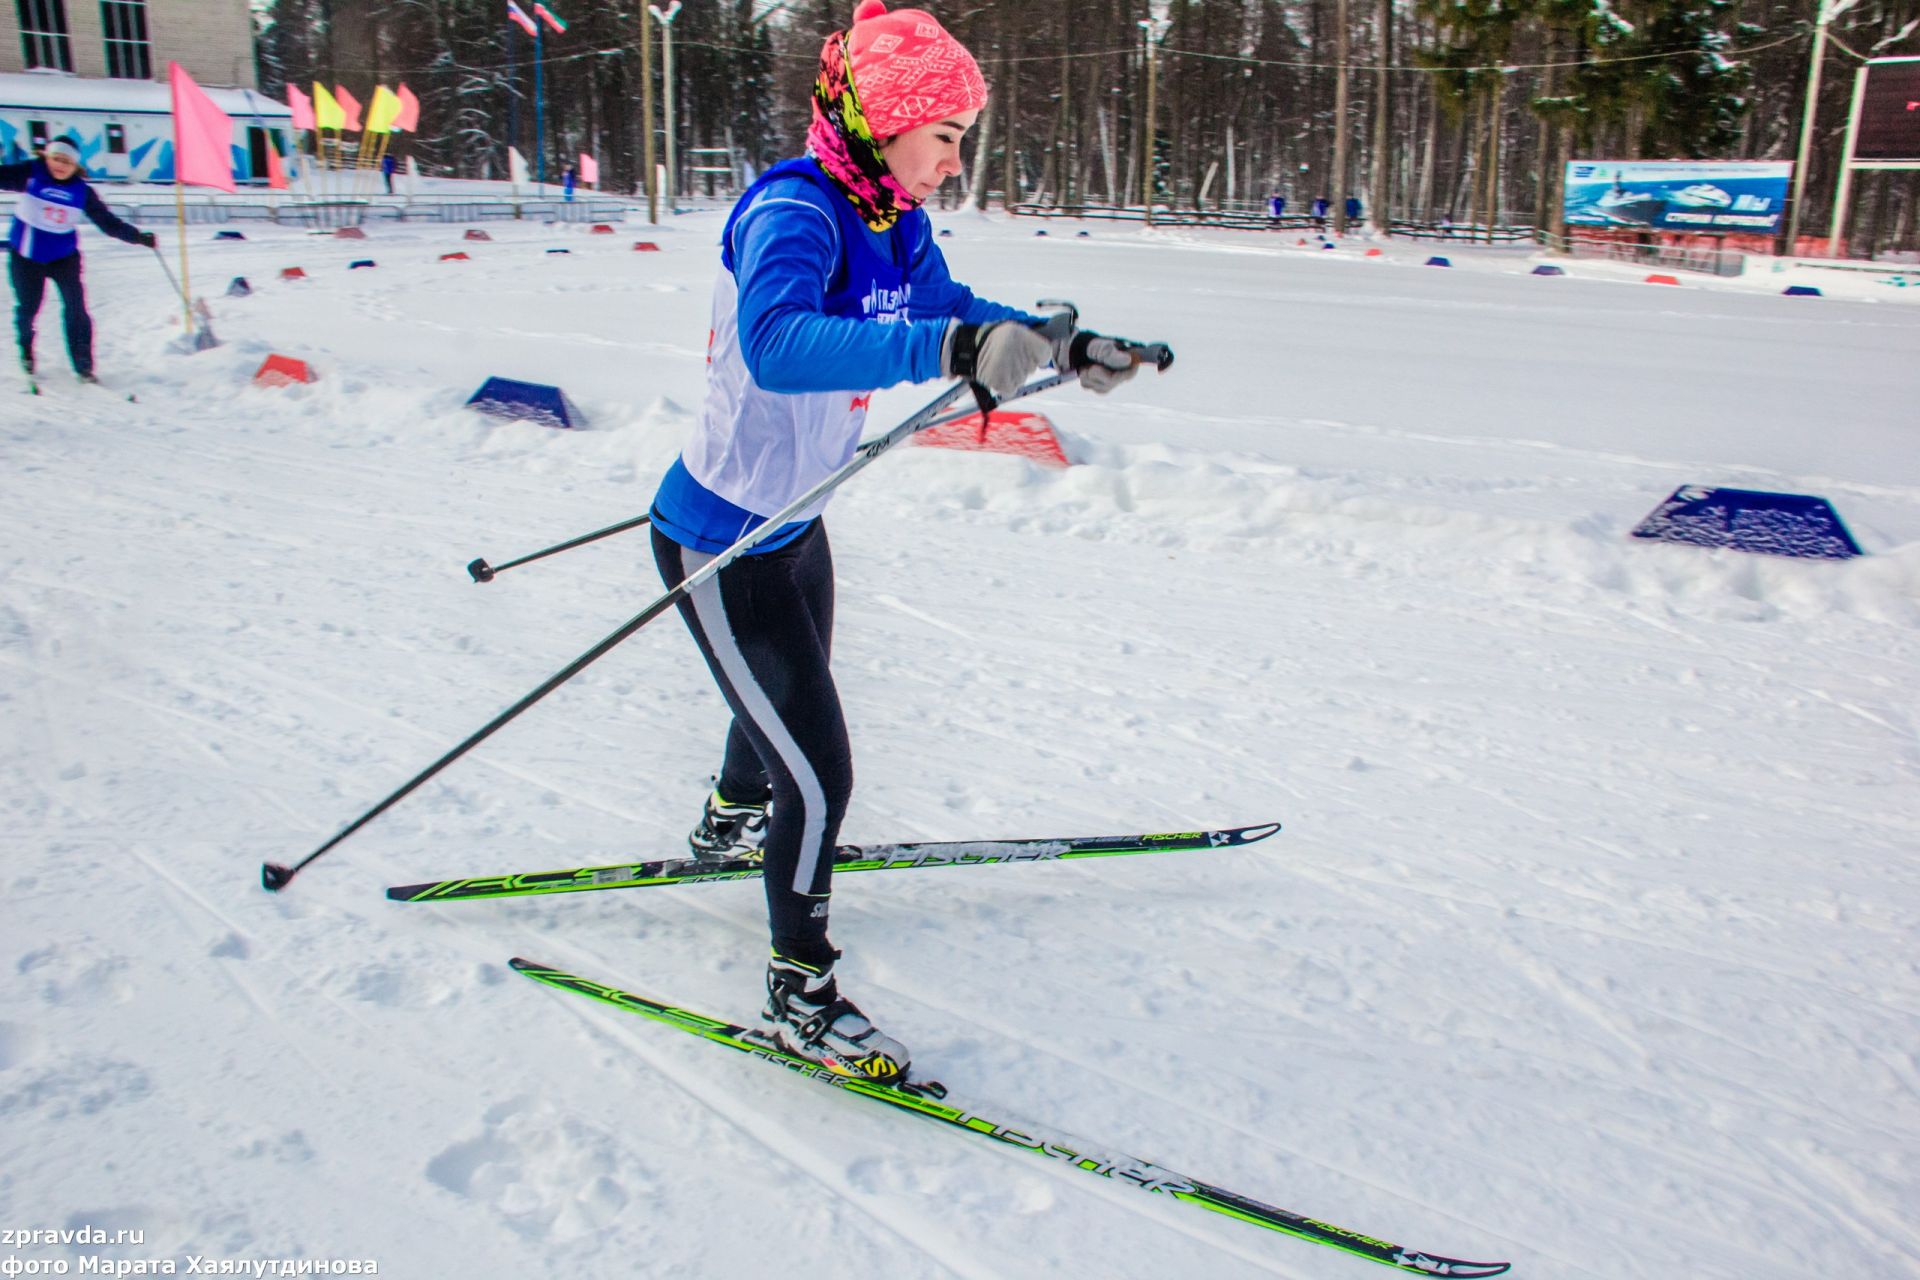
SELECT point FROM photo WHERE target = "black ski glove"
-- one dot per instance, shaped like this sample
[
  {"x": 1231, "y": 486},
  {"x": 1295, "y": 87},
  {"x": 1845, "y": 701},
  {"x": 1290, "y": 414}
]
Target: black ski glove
[
  {"x": 148, "y": 240},
  {"x": 999, "y": 356}
]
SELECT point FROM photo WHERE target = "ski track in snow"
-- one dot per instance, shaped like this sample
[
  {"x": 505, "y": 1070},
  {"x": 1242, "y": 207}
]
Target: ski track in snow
[{"x": 1589, "y": 940}]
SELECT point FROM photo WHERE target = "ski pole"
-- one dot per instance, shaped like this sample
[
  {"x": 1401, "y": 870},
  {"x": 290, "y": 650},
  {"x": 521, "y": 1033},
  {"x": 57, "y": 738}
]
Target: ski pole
[
  {"x": 199, "y": 331},
  {"x": 276, "y": 876},
  {"x": 484, "y": 572}
]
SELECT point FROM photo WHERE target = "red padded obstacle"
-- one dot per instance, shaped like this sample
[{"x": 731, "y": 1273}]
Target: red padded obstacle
[
  {"x": 1662, "y": 280},
  {"x": 1024, "y": 435},
  {"x": 455, "y": 257},
  {"x": 349, "y": 233},
  {"x": 475, "y": 233},
  {"x": 1374, "y": 253},
  {"x": 603, "y": 228},
  {"x": 281, "y": 371},
  {"x": 293, "y": 273},
  {"x": 645, "y": 246}
]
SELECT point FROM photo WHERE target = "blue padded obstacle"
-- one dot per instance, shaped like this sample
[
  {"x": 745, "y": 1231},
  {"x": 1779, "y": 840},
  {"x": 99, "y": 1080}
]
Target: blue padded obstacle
[
  {"x": 228, "y": 235},
  {"x": 559, "y": 251},
  {"x": 1438, "y": 262},
  {"x": 1801, "y": 291},
  {"x": 239, "y": 288},
  {"x": 528, "y": 401},
  {"x": 1548, "y": 269},
  {"x": 357, "y": 263},
  {"x": 1774, "y": 524}
]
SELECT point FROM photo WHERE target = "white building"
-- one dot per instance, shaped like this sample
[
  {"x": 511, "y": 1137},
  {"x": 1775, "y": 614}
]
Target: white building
[
  {"x": 97, "y": 70},
  {"x": 130, "y": 39}
]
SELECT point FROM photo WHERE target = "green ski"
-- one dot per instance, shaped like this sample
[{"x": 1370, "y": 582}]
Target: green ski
[
  {"x": 931, "y": 1100},
  {"x": 848, "y": 857}
]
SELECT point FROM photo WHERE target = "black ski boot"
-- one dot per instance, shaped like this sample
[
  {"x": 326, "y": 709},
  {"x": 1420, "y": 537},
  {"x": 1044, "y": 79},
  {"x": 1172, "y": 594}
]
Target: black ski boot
[
  {"x": 729, "y": 831},
  {"x": 812, "y": 1020}
]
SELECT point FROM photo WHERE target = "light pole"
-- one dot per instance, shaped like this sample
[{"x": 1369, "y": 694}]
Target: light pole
[
  {"x": 666, "y": 82},
  {"x": 1828, "y": 12}
]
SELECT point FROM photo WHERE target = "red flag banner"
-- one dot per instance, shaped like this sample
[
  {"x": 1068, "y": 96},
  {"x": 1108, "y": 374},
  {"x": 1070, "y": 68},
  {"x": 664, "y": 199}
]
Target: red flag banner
[
  {"x": 301, "y": 106},
  {"x": 409, "y": 120}
]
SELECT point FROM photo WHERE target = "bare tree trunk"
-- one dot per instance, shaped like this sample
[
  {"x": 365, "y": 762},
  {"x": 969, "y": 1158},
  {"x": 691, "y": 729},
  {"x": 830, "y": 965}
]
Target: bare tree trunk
[
  {"x": 1544, "y": 184},
  {"x": 1063, "y": 132},
  {"x": 1340, "y": 127},
  {"x": 1010, "y": 145},
  {"x": 1383, "y": 124},
  {"x": 982, "y": 159},
  {"x": 1424, "y": 207},
  {"x": 1491, "y": 173}
]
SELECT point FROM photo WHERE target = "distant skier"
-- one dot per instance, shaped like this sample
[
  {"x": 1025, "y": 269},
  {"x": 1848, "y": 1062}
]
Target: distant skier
[
  {"x": 1319, "y": 213},
  {"x": 567, "y": 185},
  {"x": 1276, "y": 207},
  {"x": 811, "y": 313},
  {"x": 44, "y": 245},
  {"x": 387, "y": 165},
  {"x": 1353, "y": 210}
]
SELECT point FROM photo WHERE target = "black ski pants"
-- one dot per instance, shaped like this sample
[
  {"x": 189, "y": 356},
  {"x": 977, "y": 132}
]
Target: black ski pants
[
  {"x": 765, "y": 626},
  {"x": 30, "y": 286}
]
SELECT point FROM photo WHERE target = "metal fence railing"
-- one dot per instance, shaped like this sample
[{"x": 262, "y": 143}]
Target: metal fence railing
[
  {"x": 329, "y": 213},
  {"x": 1642, "y": 251},
  {"x": 1254, "y": 218}
]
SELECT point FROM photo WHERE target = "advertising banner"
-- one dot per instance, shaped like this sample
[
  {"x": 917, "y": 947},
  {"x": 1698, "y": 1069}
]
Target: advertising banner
[{"x": 1678, "y": 195}]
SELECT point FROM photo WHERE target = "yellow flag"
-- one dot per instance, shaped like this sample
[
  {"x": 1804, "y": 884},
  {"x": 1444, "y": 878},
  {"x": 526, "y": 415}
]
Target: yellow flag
[
  {"x": 383, "y": 111},
  {"x": 326, "y": 109}
]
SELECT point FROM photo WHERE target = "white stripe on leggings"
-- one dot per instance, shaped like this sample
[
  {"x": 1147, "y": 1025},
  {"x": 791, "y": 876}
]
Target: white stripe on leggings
[{"x": 712, "y": 613}]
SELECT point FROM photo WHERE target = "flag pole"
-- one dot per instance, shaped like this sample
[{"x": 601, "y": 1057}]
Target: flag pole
[
  {"x": 539, "y": 113},
  {"x": 180, "y": 220}
]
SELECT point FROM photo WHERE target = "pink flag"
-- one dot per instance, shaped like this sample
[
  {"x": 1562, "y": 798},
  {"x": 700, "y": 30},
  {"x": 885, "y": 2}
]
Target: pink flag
[
  {"x": 409, "y": 111},
  {"x": 276, "y": 175},
  {"x": 302, "y": 107},
  {"x": 202, "y": 135},
  {"x": 350, "y": 105},
  {"x": 589, "y": 170}
]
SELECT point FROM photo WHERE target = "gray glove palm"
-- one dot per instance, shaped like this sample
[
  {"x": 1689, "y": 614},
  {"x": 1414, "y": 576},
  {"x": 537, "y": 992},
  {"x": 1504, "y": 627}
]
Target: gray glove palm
[
  {"x": 1000, "y": 356},
  {"x": 1103, "y": 363}
]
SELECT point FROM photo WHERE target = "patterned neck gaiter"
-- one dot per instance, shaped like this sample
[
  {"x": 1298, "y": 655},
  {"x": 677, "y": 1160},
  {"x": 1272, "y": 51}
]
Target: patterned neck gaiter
[{"x": 845, "y": 147}]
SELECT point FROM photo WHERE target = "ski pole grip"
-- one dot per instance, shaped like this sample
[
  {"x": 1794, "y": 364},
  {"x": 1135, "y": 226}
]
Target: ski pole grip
[{"x": 1158, "y": 354}]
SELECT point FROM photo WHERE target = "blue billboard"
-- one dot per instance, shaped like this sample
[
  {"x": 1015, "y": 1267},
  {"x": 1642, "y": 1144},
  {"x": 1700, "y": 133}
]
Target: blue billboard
[{"x": 1678, "y": 195}]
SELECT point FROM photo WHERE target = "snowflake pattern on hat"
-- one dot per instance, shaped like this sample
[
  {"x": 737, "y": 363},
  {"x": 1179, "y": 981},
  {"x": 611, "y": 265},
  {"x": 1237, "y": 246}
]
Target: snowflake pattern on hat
[{"x": 909, "y": 70}]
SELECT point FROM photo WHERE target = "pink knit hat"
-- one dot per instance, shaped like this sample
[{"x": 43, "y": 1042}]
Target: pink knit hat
[{"x": 908, "y": 70}]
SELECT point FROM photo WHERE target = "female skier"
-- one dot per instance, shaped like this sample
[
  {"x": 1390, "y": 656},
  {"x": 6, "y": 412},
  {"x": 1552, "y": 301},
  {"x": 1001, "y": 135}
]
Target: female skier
[
  {"x": 45, "y": 245},
  {"x": 830, "y": 287}
]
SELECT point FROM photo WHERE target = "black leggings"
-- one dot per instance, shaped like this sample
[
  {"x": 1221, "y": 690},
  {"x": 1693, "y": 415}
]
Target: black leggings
[
  {"x": 765, "y": 625},
  {"x": 30, "y": 286}
]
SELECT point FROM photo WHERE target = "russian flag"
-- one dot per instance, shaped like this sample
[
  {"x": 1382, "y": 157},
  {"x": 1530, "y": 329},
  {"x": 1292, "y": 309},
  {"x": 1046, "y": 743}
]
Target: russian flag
[{"x": 519, "y": 15}]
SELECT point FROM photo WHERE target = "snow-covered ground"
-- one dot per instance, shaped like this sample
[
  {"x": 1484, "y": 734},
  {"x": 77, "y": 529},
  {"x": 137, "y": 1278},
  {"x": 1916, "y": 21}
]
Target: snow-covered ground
[{"x": 1590, "y": 941}]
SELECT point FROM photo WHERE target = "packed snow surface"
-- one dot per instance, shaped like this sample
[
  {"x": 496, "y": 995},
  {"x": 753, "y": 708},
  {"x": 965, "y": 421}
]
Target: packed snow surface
[{"x": 1590, "y": 941}]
